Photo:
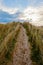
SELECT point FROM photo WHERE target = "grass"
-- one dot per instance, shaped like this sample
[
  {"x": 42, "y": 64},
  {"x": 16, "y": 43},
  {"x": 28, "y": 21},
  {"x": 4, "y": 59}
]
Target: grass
[
  {"x": 8, "y": 45},
  {"x": 34, "y": 39},
  {"x": 8, "y": 38}
]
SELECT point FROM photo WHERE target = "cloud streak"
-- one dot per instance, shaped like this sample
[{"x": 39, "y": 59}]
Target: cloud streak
[{"x": 7, "y": 9}]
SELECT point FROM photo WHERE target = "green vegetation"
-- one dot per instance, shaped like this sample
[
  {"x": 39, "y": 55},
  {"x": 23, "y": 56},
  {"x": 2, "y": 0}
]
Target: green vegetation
[
  {"x": 8, "y": 38},
  {"x": 35, "y": 41},
  {"x": 8, "y": 44}
]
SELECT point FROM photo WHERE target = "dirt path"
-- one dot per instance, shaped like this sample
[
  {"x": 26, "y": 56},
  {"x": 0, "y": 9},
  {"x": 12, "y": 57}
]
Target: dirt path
[{"x": 21, "y": 54}]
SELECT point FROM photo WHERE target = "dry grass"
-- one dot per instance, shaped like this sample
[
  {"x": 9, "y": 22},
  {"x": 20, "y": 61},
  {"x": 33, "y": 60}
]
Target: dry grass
[{"x": 8, "y": 35}]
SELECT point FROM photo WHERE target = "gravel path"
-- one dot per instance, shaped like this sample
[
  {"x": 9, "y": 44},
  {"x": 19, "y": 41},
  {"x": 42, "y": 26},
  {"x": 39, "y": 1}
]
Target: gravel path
[{"x": 21, "y": 55}]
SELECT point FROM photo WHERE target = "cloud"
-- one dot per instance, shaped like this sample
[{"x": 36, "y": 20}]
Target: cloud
[
  {"x": 30, "y": 13},
  {"x": 7, "y": 9},
  {"x": 33, "y": 14}
]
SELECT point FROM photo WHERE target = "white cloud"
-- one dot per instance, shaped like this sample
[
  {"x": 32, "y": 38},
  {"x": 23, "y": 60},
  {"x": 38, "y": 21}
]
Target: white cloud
[
  {"x": 7, "y": 9},
  {"x": 34, "y": 14}
]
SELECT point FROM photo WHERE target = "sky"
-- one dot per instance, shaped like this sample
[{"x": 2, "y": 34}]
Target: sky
[{"x": 31, "y": 10}]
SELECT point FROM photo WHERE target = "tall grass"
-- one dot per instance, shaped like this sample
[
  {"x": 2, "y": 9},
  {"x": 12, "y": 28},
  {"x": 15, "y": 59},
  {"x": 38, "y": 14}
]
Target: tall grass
[{"x": 34, "y": 40}]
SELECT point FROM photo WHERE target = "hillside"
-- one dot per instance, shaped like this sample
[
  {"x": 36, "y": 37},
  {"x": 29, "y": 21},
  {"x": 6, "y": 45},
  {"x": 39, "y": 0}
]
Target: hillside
[{"x": 21, "y": 44}]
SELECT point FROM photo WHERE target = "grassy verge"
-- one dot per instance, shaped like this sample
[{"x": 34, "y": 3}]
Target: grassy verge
[
  {"x": 34, "y": 40},
  {"x": 10, "y": 45}
]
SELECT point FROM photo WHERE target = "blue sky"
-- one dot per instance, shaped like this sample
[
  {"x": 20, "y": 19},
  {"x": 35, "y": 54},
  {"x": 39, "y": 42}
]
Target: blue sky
[
  {"x": 21, "y": 3},
  {"x": 30, "y": 9}
]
